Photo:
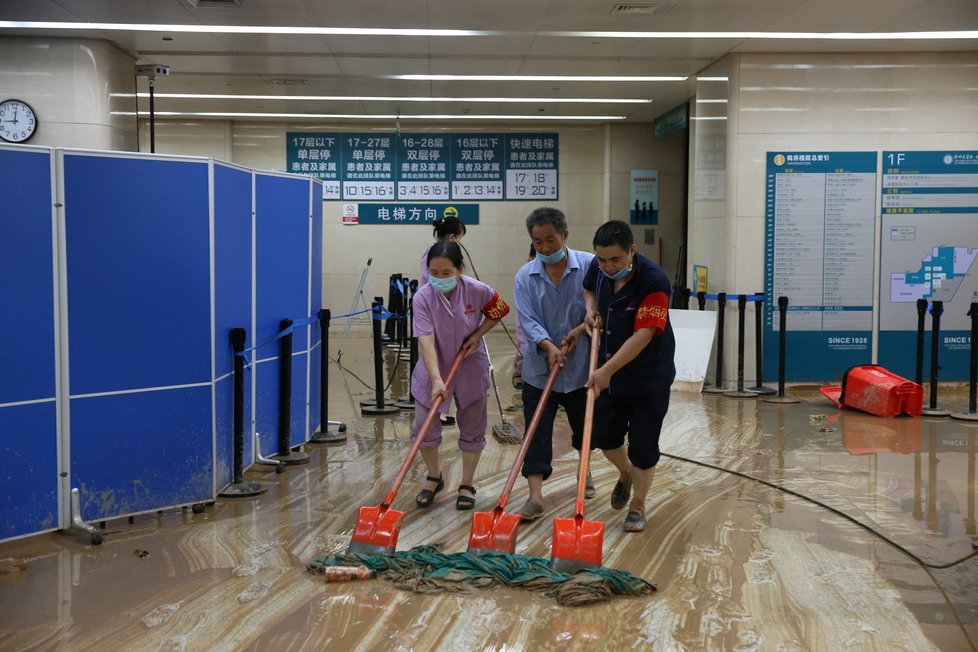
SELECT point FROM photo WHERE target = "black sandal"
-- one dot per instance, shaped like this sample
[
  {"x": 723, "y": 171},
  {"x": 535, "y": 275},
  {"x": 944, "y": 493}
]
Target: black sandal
[
  {"x": 426, "y": 497},
  {"x": 465, "y": 502}
]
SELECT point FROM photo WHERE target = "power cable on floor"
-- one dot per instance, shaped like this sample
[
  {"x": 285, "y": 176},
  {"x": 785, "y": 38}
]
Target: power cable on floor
[
  {"x": 835, "y": 511},
  {"x": 927, "y": 566},
  {"x": 390, "y": 381}
]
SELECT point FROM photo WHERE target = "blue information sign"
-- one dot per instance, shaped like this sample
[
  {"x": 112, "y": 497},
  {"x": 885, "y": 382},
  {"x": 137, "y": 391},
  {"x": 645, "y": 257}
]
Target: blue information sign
[
  {"x": 928, "y": 250},
  {"x": 820, "y": 231},
  {"x": 531, "y": 166},
  {"x": 477, "y": 167},
  {"x": 316, "y": 155},
  {"x": 427, "y": 166},
  {"x": 422, "y": 167}
]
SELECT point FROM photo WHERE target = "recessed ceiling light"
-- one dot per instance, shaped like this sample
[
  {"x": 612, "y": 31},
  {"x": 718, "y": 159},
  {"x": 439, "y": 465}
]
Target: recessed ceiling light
[
  {"x": 584, "y": 78},
  {"x": 393, "y": 98},
  {"x": 371, "y": 117}
]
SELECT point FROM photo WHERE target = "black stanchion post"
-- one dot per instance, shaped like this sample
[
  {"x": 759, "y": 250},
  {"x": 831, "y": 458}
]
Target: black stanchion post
[
  {"x": 740, "y": 392},
  {"x": 782, "y": 337},
  {"x": 377, "y": 407},
  {"x": 686, "y": 294},
  {"x": 285, "y": 453},
  {"x": 324, "y": 435},
  {"x": 408, "y": 403},
  {"x": 972, "y": 413},
  {"x": 238, "y": 487},
  {"x": 721, "y": 308},
  {"x": 937, "y": 309},
  {"x": 921, "y": 315},
  {"x": 759, "y": 388},
  {"x": 701, "y": 300},
  {"x": 398, "y": 309},
  {"x": 389, "y": 326}
]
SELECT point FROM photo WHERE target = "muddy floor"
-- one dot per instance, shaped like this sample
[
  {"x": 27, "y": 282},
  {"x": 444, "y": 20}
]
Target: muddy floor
[{"x": 771, "y": 527}]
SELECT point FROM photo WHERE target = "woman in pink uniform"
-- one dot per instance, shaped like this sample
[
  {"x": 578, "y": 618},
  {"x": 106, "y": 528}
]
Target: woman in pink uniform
[{"x": 451, "y": 313}]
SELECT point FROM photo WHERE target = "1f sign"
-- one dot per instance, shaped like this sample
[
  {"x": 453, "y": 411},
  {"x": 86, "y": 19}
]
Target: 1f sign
[{"x": 896, "y": 158}]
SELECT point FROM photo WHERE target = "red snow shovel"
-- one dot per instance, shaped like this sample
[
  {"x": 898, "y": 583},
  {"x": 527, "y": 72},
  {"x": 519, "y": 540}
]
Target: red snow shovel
[
  {"x": 378, "y": 527},
  {"x": 577, "y": 542},
  {"x": 496, "y": 531}
]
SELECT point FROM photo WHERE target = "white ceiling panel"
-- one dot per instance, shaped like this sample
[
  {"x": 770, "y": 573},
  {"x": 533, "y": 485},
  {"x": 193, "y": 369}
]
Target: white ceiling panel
[{"x": 521, "y": 43}]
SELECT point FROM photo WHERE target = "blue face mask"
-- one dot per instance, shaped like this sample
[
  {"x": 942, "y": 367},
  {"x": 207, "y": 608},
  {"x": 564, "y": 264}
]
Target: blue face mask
[
  {"x": 620, "y": 274},
  {"x": 555, "y": 257},
  {"x": 443, "y": 285}
]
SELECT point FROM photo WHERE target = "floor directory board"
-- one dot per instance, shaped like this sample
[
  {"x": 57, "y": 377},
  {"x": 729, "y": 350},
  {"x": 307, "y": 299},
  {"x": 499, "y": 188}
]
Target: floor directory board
[
  {"x": 819, "y": 245},
  {"x": 929, "y": 247}
]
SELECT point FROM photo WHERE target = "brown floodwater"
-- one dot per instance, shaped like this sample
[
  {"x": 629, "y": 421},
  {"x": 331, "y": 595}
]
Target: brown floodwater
[{"x": 770, "y": 527}]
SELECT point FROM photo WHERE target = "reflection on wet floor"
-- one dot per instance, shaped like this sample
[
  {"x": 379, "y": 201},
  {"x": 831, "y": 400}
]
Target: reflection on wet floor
[{"x": 869, "y": 545}]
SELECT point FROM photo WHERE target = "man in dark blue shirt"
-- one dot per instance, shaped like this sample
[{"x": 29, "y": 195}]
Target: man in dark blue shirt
[{"x": 627, "y": 296}]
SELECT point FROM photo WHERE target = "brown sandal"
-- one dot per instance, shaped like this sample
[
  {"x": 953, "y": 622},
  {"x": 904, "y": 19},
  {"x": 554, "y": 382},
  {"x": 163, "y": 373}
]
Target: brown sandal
[{"x": 426, "y": 497}]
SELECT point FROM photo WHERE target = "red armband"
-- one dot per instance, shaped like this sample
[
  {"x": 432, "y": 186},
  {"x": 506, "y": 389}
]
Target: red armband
[
  {"x": 496, "y": 308},
  {"x": 653, "y": 312}
]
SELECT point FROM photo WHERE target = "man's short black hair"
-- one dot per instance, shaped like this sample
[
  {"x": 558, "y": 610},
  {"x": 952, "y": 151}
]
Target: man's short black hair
[{"x": 614, "y": 232}]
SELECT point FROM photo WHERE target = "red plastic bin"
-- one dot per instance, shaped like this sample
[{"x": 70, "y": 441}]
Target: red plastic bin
[{"x": 873, "y": 389}]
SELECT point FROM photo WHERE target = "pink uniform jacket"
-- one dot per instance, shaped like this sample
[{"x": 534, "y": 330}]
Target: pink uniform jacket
[{"x": 452, "y": 320}]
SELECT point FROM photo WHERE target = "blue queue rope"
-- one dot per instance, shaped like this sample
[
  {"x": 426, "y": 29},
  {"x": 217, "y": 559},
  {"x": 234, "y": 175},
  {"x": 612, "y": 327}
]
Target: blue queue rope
[{"x": 307, "y": 321}]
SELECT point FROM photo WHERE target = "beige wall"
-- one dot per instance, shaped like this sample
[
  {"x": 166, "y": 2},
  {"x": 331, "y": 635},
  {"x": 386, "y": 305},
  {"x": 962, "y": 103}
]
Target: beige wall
[
  {"x": 809, "y": 102},
  {"x": 594, "y": 167},
  {"x": 78, "y": 89}
]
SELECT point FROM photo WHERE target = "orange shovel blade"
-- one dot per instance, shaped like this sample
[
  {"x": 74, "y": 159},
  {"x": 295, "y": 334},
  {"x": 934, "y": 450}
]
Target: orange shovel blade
[
  {"x": 376, "y": 531},
  {"x": 493, "y": 531},
  {"x": 577, "y": 544}
]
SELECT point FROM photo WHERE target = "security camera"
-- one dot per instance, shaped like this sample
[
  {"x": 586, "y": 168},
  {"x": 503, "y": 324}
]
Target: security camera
[{"x": 153, "y": 71}]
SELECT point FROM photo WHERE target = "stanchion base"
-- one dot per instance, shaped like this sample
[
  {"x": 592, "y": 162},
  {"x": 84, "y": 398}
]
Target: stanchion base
[
  {"x": 372, "y": 402},
  {"x": 739, "y": 394},
  {"x": 291, "y": 458},
  {"x": 965, "y": 416},
  {"x": 781, "y": 399},
  {"x": 405, "y": 405},
  {"x": 375, "y": 410},
  {"x": 328, "y": 437},
  {"x": 715, "y": 390},
  {"x": 339, "y": 425},
  {"x": 934, "y": 412},
  {"x": 242, "y": 490},
  {"x": 762, "y": 390}
]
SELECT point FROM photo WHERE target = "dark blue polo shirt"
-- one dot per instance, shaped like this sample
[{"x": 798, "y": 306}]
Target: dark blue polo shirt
[{"x": 653, "y": 369}]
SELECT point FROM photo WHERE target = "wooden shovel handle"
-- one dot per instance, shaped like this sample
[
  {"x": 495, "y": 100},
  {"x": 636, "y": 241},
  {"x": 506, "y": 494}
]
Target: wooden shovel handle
[
  {"x": 531, "y": 429},
  {"x": 592, "y": 395}
]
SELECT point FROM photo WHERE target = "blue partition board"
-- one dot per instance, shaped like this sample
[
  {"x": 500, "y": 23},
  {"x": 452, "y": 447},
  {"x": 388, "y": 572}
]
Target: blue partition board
[
  {"x": 28, "y": 469},
  {"x": 232, "y": 305},
  {"x": 316, "y": 301},
  {"x": 281, "y": 291},
  {"x": 137, "y": 240},
  {"x": 139, "y": 268},
  {"x": 28, "y": 369},
  {"x": 138, "y": 452}
]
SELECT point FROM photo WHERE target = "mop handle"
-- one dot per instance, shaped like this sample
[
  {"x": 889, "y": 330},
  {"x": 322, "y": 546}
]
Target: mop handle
[
  {"x": 531, "y": 430},
  {"x": 422, "y": 431},
  {"x": 592, "y": 394}
]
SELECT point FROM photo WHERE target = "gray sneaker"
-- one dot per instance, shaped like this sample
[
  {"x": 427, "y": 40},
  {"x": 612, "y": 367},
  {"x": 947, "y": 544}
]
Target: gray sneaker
[{"x": 530, "y": 511}]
